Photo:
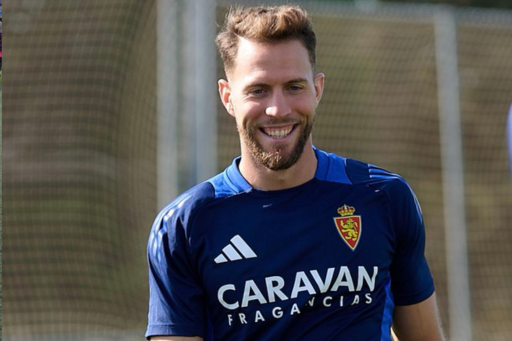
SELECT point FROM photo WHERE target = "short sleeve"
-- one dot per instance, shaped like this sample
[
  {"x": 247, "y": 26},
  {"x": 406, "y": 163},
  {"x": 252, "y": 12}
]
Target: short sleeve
[
  {"x": 175, "y": 297},
  {"x": 411, "y": 280}
]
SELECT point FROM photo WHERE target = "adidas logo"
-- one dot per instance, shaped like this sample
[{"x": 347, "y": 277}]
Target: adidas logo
[{"x": 236, "y": 250}]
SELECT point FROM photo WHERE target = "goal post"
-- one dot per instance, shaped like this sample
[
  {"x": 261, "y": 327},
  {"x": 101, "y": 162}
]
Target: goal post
[{"x": 450, "y": 125}]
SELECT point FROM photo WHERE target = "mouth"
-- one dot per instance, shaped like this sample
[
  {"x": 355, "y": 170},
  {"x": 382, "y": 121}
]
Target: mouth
[{"x": 278, "y": 132}]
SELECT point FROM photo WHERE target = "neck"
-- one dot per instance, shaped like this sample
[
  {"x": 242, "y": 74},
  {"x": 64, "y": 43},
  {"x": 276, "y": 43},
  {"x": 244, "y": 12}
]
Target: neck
[{"x": 263, "y": 178}]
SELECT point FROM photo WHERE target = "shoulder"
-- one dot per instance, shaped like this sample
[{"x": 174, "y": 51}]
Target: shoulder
[
  {"x": 349, "y": 171},
  {"x": 335, "y": 168},
  {"x": 173, "y": 225},
  {"x": 401, "y": 198},
  {"x": 379, "y": 178},
  {"x": 182, "y": 207},
  {"x": 332, "y": 167},
  {"x": 187, "y": 204}
]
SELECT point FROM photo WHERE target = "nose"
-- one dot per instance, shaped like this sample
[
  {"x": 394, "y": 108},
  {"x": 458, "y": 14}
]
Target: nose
[{"x": 278, "y": 105}]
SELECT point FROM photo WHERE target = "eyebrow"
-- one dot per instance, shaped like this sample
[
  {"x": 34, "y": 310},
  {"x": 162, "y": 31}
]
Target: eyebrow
[
  {"x": 297, "y": 80},
  {"x": 261, "y": 84}
]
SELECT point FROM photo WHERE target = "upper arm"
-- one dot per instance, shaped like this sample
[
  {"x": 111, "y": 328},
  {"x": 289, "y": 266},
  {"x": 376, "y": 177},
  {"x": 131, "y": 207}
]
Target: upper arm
[
  {"x": 411, "y": 279},
  {"x": 176, "y": 296},
  {"x": 176, "y": 338},
  {"x": 418, "y": 322}
]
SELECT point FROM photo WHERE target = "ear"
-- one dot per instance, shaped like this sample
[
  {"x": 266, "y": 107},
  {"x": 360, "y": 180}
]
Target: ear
[
  {"x": 319, "y": 86},
  {"x": 225, "y": 96}
]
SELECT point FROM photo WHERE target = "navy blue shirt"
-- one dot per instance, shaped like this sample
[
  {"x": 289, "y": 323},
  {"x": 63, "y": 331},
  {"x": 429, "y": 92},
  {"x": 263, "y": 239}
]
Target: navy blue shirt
[{"x": 327, "y": 260}]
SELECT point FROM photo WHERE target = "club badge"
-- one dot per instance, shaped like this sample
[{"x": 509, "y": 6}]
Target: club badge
[{"x": 349, "y": 226}]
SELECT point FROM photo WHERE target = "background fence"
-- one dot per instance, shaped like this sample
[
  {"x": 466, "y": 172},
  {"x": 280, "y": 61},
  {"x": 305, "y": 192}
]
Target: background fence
[{"x": 90, "y": 140}]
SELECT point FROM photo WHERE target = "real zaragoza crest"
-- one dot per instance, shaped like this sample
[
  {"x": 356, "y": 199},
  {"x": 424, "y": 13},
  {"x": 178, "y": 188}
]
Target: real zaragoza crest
[{"x": 349, "y": 226}]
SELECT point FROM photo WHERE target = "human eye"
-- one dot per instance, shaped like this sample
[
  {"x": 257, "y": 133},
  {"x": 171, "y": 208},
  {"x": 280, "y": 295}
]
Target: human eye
[
  {"x": 295, "y": 87},
  {"x": 256, "y": 92}
]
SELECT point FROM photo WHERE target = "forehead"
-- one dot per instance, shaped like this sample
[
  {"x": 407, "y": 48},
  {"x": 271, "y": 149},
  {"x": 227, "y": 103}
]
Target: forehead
[{"x": 256, "y": 60}]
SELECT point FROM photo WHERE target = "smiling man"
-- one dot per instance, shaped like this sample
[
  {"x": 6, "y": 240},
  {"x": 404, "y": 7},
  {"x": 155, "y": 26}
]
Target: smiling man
[
  {"x": 272, "y": 92},
  {"x": 289, "y": 242}
]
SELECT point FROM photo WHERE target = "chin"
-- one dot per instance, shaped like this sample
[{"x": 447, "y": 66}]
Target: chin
[
  {"x": 278, "y": 155},
  {"x": 277, "y": 159}
]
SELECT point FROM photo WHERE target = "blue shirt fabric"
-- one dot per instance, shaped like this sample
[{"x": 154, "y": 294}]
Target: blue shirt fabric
[{"x": 327, "y": 260}]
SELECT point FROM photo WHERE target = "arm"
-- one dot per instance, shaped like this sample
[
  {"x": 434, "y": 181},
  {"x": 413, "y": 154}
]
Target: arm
[
  {"x": 177, "y": 309},
  {"x": 393, "y": 335},
  {"x": 175, "y": 338},
  {"x": 418, "y": 322}
]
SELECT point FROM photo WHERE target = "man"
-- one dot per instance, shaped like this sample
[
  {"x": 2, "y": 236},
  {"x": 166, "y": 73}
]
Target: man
[{"x": 289, "y": 242}]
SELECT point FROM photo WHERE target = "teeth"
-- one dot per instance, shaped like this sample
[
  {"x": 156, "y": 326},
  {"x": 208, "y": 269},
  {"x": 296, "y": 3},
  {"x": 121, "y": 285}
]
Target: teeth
[{"x": 279, "y": 132}]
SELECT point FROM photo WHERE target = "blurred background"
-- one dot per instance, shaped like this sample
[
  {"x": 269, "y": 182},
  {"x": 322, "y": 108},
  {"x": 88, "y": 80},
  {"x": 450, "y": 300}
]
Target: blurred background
[{"x": 111, "y": 110}]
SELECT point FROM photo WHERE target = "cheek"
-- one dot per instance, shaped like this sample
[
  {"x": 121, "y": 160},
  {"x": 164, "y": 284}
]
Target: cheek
[
  {"x": 306, "y": 107},
  {"x": 247, "y": 113}
]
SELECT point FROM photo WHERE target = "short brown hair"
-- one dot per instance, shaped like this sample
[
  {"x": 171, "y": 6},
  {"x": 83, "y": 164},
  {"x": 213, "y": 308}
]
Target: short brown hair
[{"x": 267, "y": 25}]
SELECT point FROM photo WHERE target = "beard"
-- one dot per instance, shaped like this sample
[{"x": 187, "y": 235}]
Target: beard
[{"x": 276, "y": 159}]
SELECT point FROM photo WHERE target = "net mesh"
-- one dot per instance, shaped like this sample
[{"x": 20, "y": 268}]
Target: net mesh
[
  {"x": 486, "y": 94},
  {"x": 79, "y": 173},
  {"x": 79, "y": 151}
]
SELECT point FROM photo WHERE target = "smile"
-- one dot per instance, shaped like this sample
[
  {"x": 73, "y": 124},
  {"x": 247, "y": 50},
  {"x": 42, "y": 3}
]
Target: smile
[{"x": 277, "y": 132}]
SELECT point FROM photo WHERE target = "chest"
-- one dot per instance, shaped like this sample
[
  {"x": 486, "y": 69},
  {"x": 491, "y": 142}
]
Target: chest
[{"x": 297, "y": 242}]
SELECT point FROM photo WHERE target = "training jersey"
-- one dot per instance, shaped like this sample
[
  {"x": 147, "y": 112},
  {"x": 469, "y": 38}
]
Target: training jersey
[{"x": 326, "y": 260}]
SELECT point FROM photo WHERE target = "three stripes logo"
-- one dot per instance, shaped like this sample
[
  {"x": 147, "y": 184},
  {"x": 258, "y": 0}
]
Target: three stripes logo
[{"x": 236, "y": 250}]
